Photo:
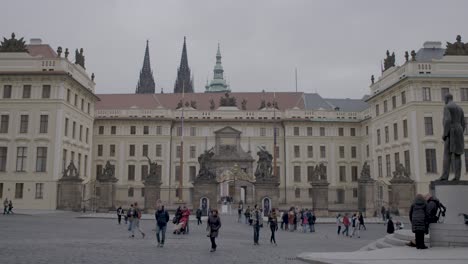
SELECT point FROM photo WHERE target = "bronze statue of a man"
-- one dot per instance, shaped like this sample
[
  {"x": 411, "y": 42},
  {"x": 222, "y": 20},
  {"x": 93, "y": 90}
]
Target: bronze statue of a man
[{"x": 454, "y": 126}]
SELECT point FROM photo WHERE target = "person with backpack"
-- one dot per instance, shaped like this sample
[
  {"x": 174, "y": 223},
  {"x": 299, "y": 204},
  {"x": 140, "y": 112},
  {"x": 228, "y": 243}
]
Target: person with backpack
[
  {"x": 434, "y": 209},
  {"x": 339, "y": 222},
  {"x": 273, "y": 222},
  {"x": 136, "y": 221},
  {"x": 130, "y": 216},
  {"x": 199, "y": 215},
  {"x": 361, "y": 221},
  {"x": 346, "y": 224},
  {"x": 119, "y": 214},
  {"x": 162, "y": 217},
  {"x": 10, "y": 207},
  {"x": 312, "y": 220},
  {"x": 354, "y": 225},
  {"x": 256, "y": 222}
]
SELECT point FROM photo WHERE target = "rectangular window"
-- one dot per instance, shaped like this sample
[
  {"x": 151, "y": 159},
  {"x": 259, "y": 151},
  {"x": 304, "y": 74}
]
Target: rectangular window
[
  {"x": 311, "y": 192},
  {"x": 428, "y": 126},
  {"x": 24, "y": 121},
  {"x": 379, "y": 165},
  {"x": 144, "y": 151},
  {"x": 64, "y": 160},
  {"x": 85, "y": 170},
  {"x": 80, "y": 134},
  {"x": 89, "y": 108},
  {"x": 353, "y": 131},
  {"x": 309, "y": 131},
  {"x": 405, "y": 128},
  {"x": 397, "y": 159},
  {"x": 82, "y": 104},
  {"x": 112, "y": 150},
  {"x": 310, "y": 151},
  {"x": 177, "y": 173},
  {"x": 387, "y": 138},
  {"x": 262, "y": 132},
  {"x": 142, "y": 192},
  {"x": 355, "y": 193},
  {"x": 367, "y": 151},
  {"x": 296, "y": 131},
  {"x": 68, "y": 95},
  {"x": 178, "y": 150},
  {"x": 98, "y": 169},
  {"x": 297, "y": 193},
  {"x": 378, "y": 136},
  {"x": 388, "y": 165},
  {"x": 158, "y": 150},
  {"x": 277, "y": 151},
  {"x": 26, "y": 91},
  {"x": 76, "y": 100},
  {"x": 159, "y": 130},
  {"x": 395, "y": 131},
  {"x": 45, "y": 91},
  {"x": 44, "y": 123},
  {"x": 131, "y": 151},
  {"x": 353, "y": 152},
  {"x": 99, "y": 150},
  {"x": 41, "y": 161},
  {"x": 192, "y": 173},
  {"x": 4, "y": 122},
  {"x": 322, "y": 131},
  {"x": 341, "y": 150},
  {"x": 310, "y": 173},
  {"x": 144, "y": 172},
  {"x": 393, "y": 102},
  {"x": 443, "y": 93},
  {"x": 377, "y": 110},
  {"x": 431, "y": 161},
  {"x": 385, "y": 107},
  {"x": 7, "y": 91},
  {"x": 342, "y": 174},
  {"x": 193, "y": 131},
  {"x": 145, "y": 130},
  {"x": 403, "y": 98},
  {"x": 39, "y": 191},
  {"x": 78, "y": 165},
  {"x": 87, "y": 135},
  {"x": 130, "y": 192},
  {"x": 113, "y": 130},
  {"x": 323, "y": 152},
  {"x": 426, "y": 94},
  {"x": 297, "y": 151},
  {"x": 132, "y": 130},
  {"x": 466, "y": 160},
  {"x": 354, "y": 173},
  {"x": 464, "y": 94},
  {"x": 193, "y": 152},
  {"x": 21, "y": 158},
  {"x": 3, "y": 158},
  {"x": 131, "y": 172},
  {"x": 19, "y": 190},
  {"x": 65, "y": 132},
  {"x": 340, "y": 131},
  {"x": 179, "y": 131},
  {"x": 297, "y": 173},
  {"x": 73, "y": 129},
  {"x": 1, "y": 189},
  {"x": 340, "y": 196}
]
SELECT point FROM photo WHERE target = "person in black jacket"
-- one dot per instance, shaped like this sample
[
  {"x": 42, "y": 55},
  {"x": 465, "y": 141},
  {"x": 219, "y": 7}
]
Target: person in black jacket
[
  {"x": 213, "y": 226},
  {"x": 119, "y": 214},
  {"x": 418, "y": 218},
  {"x": 162, "y": 217}
]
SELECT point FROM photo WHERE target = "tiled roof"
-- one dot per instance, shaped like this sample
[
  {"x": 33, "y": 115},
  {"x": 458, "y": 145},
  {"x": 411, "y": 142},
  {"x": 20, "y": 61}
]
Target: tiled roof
[
  {"x": 43, "y": 50},
  {"x": 286, "y": 100},
  {"x": 314, "y": 101}
]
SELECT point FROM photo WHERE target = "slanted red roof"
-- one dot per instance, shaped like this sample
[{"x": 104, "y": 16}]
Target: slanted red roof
[
  {"x": 286, "y": 100},
  {"x": 43, "y": 50}
]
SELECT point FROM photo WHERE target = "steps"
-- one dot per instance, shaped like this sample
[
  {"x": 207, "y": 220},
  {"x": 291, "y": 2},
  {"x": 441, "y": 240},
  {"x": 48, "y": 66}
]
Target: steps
[{"x": 397, "y": 239}]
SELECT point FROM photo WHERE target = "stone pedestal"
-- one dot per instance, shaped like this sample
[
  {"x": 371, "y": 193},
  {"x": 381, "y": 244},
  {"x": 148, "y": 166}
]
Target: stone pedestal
[
  {"x": 266, "y": 189},
  {"x": 320, "y": 197},
  {"x": 152, "y": 195},
  {"x": 69, "y": 193},
  {"x": 204, "y": 190},
  {"x": 367, "y": 197},
  {"x": 107, "y": 195},
  {"x": 452, "y": 232},
  {"x": 402, "y": 196}
]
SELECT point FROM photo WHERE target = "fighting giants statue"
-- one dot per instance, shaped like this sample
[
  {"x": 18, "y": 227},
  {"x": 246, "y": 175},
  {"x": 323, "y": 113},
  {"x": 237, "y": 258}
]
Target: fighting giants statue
[
  {"x": 71, "y": 171},
  {"x": 108, "y": 173},
  {"x": 454, "y": 126},
  {"x": 365, "y": 172},
  {"x": 153, "y": 171},
  {"x": 400, "y": 173},
  {"x": 204, "y": 159},
  {"x": 264, "y": 167}
]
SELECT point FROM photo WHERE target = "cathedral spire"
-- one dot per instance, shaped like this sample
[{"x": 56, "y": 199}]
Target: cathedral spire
[
  {"x": 183, "y": 82},
  {"x": 146, "y": 82},
  {"x": 218, "y": 84}
]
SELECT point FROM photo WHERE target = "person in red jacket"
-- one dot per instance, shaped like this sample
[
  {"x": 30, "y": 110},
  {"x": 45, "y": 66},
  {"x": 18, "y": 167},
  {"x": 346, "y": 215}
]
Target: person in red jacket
[{"x": 346, "y": 224}]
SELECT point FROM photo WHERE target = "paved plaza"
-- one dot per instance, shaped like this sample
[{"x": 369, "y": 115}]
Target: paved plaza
[{"x": 64, "y": 238}]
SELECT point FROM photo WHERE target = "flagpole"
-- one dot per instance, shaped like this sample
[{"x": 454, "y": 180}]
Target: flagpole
[
  {"x": 275, "y": 169},
  {"x": 181, "y": 196}
]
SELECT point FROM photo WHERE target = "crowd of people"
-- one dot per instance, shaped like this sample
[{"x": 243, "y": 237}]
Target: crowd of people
[
  {"x": 345, "y": 222},
  {"x": 7, "y": 206}
]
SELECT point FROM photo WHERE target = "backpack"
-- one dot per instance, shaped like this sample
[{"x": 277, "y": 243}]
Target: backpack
[{"x": 436, "y": 211}]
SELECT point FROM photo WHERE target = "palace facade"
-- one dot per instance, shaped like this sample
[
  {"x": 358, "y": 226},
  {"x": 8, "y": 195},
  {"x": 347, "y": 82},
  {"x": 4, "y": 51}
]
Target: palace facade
[{"x": 58, "y": 137}]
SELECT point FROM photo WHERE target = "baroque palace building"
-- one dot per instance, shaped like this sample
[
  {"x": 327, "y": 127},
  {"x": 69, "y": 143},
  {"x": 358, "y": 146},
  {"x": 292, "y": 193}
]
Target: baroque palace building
[{"x": 64, "y": 146}]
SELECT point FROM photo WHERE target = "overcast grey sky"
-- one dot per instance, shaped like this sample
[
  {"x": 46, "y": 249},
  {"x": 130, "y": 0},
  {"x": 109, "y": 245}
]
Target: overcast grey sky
[{"x": 335, "y": 45}]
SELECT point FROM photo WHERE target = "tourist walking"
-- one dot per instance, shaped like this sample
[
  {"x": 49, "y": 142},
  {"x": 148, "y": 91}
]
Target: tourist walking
[
  {"x": 338, "y": 223},
  {"x": 199, "y": 214},
  {"x": 273, "y": 222},
  {"x": 390, "y": 226},
  {"x": 284, "y": 220},
  {"x": 355, "y": 225},
  {"x": 418, "y": 219},
  {"x": 10, "y": 207},
  {"x": 256, "y": 221},
  {"x": 5, "y": 206},
  {"x": 346, "y": 224},
  {"x": 119, "y": 214},
  {"x": 247, "y": 216},
  {"x": 239, "y": 213},
  {"x": 361, "y": 221},
  {"x": 312, "y": 220},
  {"x": 136, "y": 221},
  {"x": 291, "y": 219},
  {"x": 162, "y": 217},
  {"x": 213, "y": 226},
  {"x": 383, "y": 211},
  {"x": 130, "y": 215},
  {"x": 305, "y": 221}
]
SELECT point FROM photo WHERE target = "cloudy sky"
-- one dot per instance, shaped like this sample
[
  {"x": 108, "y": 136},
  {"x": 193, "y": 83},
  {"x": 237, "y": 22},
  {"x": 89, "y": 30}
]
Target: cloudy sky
[{"x": 335, "y": 45}]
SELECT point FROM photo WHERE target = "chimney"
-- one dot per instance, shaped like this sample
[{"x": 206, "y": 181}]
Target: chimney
[
  {"x": 35, "y": 41},
  {"x": 432, "y": 45}
]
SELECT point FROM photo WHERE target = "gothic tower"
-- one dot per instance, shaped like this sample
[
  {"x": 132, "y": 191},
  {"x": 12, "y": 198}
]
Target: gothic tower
[
  {"x": 218, "y": 84},
  {"x": 146, "y": 82},
  {"x": 183, "y": 82}
]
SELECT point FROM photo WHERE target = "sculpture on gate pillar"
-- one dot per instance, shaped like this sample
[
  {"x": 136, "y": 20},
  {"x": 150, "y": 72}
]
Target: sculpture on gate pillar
[
  {"x": 153, "y": 172},
  {"x": 71, "y": 171},
  {"x": 108, "y": 173},
  {"x": 365, "y": 172},
  {"x": 204, "y": 160},
  {"x": 264, "y": 166}
]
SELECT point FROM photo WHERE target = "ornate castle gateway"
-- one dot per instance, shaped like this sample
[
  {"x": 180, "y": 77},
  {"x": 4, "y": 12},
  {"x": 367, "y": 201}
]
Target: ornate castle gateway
[{"x": 227, "y": 175}]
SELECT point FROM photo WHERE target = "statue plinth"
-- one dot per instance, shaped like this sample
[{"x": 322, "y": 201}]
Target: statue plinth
[
  {"x": 366, "y": 196},
  {"x": 452, "y": 232},
  {"x": 152, "y": 194},
  {"x": 69, "y": 193},
  {"x": 403, "y": 192},
  {"x": 320, "y": 197}
]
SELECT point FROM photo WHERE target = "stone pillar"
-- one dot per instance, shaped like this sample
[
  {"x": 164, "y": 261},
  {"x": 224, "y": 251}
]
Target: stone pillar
[
  {"x": 152, "y": 195},
  {"x": 403, "y": 192},
  {"x": 107, "y": 195},
  {"x": 208, "y": 190},
  {"x": 367, "y": 196},
  {"x": 268, "y": 189},
  {"x": 320, "y": 197},
  {"x": 453, "y": 232},
  {"x": 69, "y": 193}
]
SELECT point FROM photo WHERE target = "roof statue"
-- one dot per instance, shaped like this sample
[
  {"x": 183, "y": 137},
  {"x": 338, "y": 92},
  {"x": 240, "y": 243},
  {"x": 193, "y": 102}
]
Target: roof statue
[
  {"x": 227, "y": 100},
  {"x": 59, "y": 52},
  {"x": 372, "y": 79},
  {"x": 218, "y": 84},
  {"x": 413, "y": 55},
  {"x": 389, "y": 61},
  {"x": 80, "y": 58},
  {"x": 92, "y": 76},
  {"x": 66, "y": 53},
  {"x": 146, "y": 82},
  {"x": 13, "y": 45},
  {"x": 244, "y": 104},
  {"x": 406, "y": 56},
  {"x": 184, "y": 83},
  {"x": 212, "y": 104},
  {"x": 457, "y": 48}
]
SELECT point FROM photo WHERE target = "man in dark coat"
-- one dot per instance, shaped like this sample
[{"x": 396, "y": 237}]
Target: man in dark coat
[
  {"x": 454, "y": 126},
  {"x": 213, "y": 226},
  {"x": 418, "y": 218},
  {"x": 162, "y": 217}
]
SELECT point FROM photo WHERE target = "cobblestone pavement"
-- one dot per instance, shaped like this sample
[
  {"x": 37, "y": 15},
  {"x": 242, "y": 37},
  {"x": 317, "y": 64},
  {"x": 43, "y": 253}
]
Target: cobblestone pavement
[{"x": 63, "y": 238}]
